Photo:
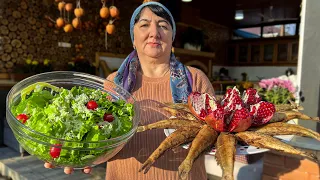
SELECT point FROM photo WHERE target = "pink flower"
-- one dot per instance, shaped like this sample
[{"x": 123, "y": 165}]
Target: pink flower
[
  {"x": 268, "y": 83},
  {"x": 289, "y": 86},
  {"x": 276, "y": 82},
  {"x": 282, "y": 84},
  {"x": 262, "y": 84}
]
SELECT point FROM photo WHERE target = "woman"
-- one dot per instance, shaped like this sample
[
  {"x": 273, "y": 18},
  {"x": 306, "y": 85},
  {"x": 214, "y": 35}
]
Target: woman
[{"x": 152, "y": 75}]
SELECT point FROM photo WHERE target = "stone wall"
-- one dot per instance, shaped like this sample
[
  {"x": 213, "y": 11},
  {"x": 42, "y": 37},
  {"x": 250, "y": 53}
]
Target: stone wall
[{"x": 26, "y": 32}]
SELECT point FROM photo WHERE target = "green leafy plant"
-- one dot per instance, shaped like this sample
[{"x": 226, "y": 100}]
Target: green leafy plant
[
  {"x": 277, "y": 91},
  {"x": 30, "y": 66}
]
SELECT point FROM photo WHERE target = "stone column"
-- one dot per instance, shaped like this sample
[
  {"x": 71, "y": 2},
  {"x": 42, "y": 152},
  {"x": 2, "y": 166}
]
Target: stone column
[{"x": 308, "y": 69}]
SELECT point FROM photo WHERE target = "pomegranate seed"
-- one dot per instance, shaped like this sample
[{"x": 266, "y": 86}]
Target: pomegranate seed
[{"x": 203, "y": 113}]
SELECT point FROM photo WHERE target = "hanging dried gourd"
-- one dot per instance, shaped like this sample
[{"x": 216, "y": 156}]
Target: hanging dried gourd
[
  {"x": 68, "y": 28},
  {"x": 60, "y": 22},
  {"x": 61, "y": 5},
  {"x": 76, "y": 23},
  {"x": 69, "y": 7},
  {"x": 78, "y": 11},
  {"x": 114, "y": 11},
  {"x": 104, "y": 11},
  {"x": 110, "y": 28}
]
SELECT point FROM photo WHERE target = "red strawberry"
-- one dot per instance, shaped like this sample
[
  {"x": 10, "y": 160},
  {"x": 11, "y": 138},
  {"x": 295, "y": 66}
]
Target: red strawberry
[
  {"x": 250, "y": 97},
  {"x": 216, "y": 120},
  {"x": 240, "y": 120},
  {"x": 262, "y": 112}
]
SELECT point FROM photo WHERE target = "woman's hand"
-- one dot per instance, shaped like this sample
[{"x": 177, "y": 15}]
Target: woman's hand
[{"x": 69, "y": 170}]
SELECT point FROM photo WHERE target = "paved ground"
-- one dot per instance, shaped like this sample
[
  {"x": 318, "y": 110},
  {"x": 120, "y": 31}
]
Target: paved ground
[{"x": 30, "y": 168}]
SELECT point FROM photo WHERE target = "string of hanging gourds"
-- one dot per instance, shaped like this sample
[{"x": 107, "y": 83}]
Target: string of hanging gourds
[
  {"x": 105, "y": 12},
  {"x": 64, "y": 19},
  {"x": 66, "y": 8}
]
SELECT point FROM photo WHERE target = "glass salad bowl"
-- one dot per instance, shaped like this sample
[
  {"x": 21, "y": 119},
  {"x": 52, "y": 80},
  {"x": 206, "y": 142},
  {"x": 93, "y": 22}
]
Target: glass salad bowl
[{"x": 52, "y": 118}]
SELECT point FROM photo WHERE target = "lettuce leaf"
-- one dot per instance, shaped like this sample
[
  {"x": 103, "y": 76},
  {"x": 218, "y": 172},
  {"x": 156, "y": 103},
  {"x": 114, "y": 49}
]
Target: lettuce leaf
[{"x": 62, "y": 113}]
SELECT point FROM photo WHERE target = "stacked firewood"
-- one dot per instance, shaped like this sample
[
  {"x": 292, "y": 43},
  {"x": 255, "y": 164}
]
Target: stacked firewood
[{"x": 26, "y": 33}]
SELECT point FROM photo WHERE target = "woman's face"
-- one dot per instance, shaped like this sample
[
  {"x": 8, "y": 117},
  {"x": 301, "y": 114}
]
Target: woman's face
[{"x": 152, "y": 35}]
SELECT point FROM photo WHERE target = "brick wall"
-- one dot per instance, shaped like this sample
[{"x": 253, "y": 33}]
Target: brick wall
[{"x": 281, "y": 167}]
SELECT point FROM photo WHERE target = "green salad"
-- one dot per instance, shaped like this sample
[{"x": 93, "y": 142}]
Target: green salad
[{"x": 78, "y": 114}]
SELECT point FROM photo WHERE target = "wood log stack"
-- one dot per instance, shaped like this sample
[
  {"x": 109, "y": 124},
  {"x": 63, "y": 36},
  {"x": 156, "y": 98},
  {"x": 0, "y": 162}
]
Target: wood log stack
[{"x": 26, "y": 33}]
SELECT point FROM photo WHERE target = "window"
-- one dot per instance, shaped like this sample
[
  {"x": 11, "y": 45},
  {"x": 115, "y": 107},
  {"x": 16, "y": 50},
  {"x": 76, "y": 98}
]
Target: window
[
  {"x": 254, "y": 32},
  {"x": 271, "y": 31},
  {"x": 290, "y": 29}
]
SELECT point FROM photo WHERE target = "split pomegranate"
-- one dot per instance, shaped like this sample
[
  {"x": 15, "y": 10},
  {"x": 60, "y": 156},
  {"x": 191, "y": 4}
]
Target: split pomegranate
[
  {"x": 232, "y": 100},
  {"x": 232, "y": 114},
  {"x": 262, "y": 112},
  {"x": 217, "y": 120},
  {"x": 55, "y": 151},
  {"x": 240, "y": 120},
  {"x": 201, "y": 104},
  {"x": 250, "y": 97}
]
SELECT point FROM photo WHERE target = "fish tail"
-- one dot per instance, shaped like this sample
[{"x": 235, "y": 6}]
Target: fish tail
[
  {"x": 227, "y": 177},
  {"x": 141, "y": 128}
]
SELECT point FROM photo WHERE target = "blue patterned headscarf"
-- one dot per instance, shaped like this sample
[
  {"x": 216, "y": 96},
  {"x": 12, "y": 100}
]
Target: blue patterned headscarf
[{"x": 180, "y": 76}]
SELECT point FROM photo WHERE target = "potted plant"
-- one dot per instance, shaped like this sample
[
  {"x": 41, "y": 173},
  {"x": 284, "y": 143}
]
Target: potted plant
[
  {"x": 30, "y": 67},
  {"x": 277, "y": 91}
]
